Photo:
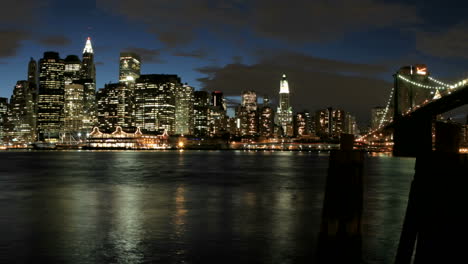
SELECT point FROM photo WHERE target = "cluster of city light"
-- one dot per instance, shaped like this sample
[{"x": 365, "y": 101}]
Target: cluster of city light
[{"x": 422, "y": 85}]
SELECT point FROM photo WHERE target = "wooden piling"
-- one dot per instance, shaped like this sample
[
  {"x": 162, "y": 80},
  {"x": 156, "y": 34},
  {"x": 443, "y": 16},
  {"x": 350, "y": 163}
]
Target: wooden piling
[
  {"x": 340, "y": 231},
  {"x": 435, "y": 216}
]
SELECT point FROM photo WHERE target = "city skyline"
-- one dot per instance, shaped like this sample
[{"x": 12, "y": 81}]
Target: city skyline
[{"x": 359, "y": 53}]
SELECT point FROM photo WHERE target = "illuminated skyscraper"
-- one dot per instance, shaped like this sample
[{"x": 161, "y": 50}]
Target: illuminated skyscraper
[
  {"x": 330, "y": 123},
  {"x": 201, "y": 113},
  {"x": 51, "y": 96},
  {"x": 249, "y": 100},
  {"x": 217, "y": 100},
  {"x": 115, "y": 107},
  {"x": 184, "y": 110},
  {"x": 284, "y": 114},
  {"x": 88, "y": 69},
  {"x": 266, "y": 122},
  {"x": 72, "y": 69},
  {"x": 20, "y": 125},
  {"x": 3, "y": 115},
  {"x": 130, "y": 65},
  {"x": 88, "y": 80},
  {"x": 74, "y": 114},
  {"x": 155, "y": 102}
]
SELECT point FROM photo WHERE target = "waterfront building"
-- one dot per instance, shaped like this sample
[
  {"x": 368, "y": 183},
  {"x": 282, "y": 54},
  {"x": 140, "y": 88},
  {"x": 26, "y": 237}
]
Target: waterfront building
[
  {"x": 3, "y": 116},
  {"x": 330, "y": 123},
  {"x": 155, "y": 102},
  {"x": 217, "y": 116},
  {"x": 74, "y": 114},
  {"x": 115, "y": 107},
  {"x": 184, "y": 100},
  {"x": 301, "y": 124},
  {"x": 284, "y": 113},
  {"x": 51, "y": 96},
  {"x": 377, "y": 114},
  {"x": 351, "y": 126},
  {"x": 89, "y": 104},
  {"x": 266, "y": 122},
  {"x": 20, "y": 121},
  {"x": 129, "y": 67},
  {"x": 201, "y": 113},
  {"x": 120, "y": 139}
]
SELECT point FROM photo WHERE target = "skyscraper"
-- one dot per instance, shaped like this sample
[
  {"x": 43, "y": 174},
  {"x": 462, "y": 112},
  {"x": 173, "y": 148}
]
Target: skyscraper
[
  {"x": 32, "y": 74},
  {"x": 266, "y": 122},
  {"x": 88, "y": 69},
  {"x": 330, "y": 123},
  {"x": 51, "y": 96},
  {"x": 284, "y": 114},
  {"x": 129, "y": 67},
  {"x": 73, "y": 108},
  {"x": 217, "y": 100},
  {"x": 115, "y": 107},
  {"x": 72, "y": 69},
  {"x": 200, "y": 112},
  {"x": 20, "y": 125},
  {"x": 3, "y": 115},
  {"x": 155, "y": 102},
  {"x": 184, "y": 110}
]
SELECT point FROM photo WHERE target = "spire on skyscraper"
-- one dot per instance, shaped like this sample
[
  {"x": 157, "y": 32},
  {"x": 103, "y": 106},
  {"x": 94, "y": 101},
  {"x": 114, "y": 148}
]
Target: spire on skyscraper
[
  {"x": 88, "y": 47},
  {"x": 284, "y": 86}
]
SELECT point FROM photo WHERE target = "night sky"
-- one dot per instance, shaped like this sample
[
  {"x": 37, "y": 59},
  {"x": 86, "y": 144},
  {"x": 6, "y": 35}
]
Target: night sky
[{"x": 336, "y": 53}]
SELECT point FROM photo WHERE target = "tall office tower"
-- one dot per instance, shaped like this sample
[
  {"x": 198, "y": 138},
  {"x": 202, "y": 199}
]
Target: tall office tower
[
  {"x": 32, "y": 74},
  {"x": 249, "y": 100},
  {"x": 115, "y": 107},
  {"x": 217, "y": 100},
  {"x": 74, "y": 114},
  {"x": 51, "y": 97},
  {"x": 72, "y": 69},
  {"x": 249, "y": 114},
  {"x": 155, "y": 102},
  {"x": 3, "y": 115},
  {"x": 377, "y": 113},
  {"x": 217, "y": 118},
  {"x": 284, "y": 114},
  {"x": 310, "y": 123},
  {"x": 88, "y": 69},
  {"x": 301, "y": 124},
  {"x": 407, "y": 94},
  {"x": 184, "y": 110},
  {"x": 20, "y": 125},
  {"x": 129, "y": 68},
  {"x": 266, "y": 122},
  {"x": 351, "y": 125},
  {"x": 330, "y": 123},
  {"x": 89, "y": 104},
  {"x": 200, "y": 113}
]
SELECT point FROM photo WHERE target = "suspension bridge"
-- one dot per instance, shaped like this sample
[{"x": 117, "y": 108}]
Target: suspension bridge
[{"x": 412, "y": 106}]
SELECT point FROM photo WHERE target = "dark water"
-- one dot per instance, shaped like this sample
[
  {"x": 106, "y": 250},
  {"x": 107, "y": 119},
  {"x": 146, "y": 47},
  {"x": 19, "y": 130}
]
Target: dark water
[{"x": 184, "y": 207}]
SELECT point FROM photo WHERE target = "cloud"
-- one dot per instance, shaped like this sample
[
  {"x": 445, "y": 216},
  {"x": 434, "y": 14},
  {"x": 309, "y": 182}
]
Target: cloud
[
  {"x": 198, "y": 53},
  {"x": 147, "y": 55},
  {"x": 311, "y": 88},
  {"x": 448, "y": 42},
  {"x": 54, "y": 40},
  {"x": 11, "y": 41},
  {"x": 177, "y": 22}
]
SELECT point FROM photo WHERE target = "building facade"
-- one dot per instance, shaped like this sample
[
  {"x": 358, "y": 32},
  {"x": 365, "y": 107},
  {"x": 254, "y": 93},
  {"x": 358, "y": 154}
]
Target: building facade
[
  {"x": 284, "y": 113},
  {"x": 51, "y": 97},
  {"x": 129, "y": 67},
  {"x": 115, "y": 107},
  {"x": 184, "y": 99}
]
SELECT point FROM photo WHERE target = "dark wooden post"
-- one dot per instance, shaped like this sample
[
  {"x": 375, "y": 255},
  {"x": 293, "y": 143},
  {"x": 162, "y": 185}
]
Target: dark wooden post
[
  {"x": 436, "y": 216},
  {"x": 340, "y": 231}
]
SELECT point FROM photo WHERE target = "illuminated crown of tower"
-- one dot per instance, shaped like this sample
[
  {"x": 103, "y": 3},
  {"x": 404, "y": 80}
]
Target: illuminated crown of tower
[{"x": 88, "y": 47}]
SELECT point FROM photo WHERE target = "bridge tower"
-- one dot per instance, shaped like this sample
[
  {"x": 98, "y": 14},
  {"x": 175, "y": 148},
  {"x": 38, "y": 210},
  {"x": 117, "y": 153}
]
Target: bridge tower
[{"x": 411, "y": 136}]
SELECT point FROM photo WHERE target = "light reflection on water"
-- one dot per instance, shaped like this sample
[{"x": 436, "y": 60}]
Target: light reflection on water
[{"x": 191, "y": 206}]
